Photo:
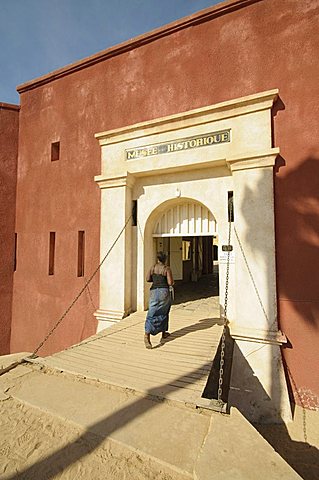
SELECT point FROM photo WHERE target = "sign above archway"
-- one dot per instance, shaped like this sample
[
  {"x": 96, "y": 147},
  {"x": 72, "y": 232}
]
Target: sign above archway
[{"x": 206, "y": 140}]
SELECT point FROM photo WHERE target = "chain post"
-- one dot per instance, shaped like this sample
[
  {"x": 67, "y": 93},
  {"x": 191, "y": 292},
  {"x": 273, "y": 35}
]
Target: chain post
[{"x": 223, "y": 337}]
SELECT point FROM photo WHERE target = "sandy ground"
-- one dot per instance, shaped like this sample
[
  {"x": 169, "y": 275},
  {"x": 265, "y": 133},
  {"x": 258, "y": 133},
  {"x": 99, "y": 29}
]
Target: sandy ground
[{"x": 31, "y": 443}]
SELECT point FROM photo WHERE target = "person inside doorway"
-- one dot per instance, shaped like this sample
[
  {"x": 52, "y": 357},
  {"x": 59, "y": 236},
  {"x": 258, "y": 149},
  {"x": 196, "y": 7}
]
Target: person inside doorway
[{"x": 157, "y": 317}]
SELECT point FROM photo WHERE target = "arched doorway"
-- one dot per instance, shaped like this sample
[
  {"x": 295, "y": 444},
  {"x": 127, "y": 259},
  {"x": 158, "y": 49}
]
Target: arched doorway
[{"x": 186, "y": 230}]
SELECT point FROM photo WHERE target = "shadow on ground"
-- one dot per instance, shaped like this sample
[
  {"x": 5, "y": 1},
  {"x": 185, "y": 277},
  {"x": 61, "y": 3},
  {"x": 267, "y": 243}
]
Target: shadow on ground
[
  {"x": 57, "y": 462},
  {"x": 301, "y": 456}
]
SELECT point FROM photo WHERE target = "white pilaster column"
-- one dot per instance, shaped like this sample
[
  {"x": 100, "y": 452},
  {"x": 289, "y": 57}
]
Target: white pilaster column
[
  {"x": 258, "y": 387},
  {"x": 115, "y": 273}
]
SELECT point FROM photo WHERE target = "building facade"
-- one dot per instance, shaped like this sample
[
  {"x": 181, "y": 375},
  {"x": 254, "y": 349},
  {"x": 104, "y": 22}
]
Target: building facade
[
  {"x": 170, "y": 126},
  {"x": 9, "y": 129}
]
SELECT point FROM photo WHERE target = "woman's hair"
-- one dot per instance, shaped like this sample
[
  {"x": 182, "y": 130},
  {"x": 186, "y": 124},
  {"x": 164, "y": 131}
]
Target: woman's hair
[{"x": 161, "y": 256}]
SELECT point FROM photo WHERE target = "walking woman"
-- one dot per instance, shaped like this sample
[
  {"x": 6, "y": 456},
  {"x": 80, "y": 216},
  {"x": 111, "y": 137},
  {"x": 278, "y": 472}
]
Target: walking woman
[{"x": 160, "y": 300}]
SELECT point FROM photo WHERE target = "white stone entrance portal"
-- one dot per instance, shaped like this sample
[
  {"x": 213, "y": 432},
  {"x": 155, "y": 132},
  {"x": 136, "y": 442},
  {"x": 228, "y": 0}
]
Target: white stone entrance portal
[{"x": 198, "y": 157}]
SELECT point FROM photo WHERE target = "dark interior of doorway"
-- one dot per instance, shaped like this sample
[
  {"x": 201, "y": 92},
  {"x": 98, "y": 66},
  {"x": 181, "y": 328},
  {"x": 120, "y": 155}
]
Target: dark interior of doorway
[{"x": 200, "y": 270}]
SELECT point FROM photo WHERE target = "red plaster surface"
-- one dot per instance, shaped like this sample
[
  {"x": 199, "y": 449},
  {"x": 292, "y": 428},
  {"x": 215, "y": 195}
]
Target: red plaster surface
[
  {"x": 265, "y": 45},
  {"x": 302, "y": 332},
  {"x": 9, "y": 126}
]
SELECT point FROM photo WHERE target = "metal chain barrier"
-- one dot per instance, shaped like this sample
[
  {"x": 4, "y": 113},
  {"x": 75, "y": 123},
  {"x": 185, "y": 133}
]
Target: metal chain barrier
[
  {"x": 81, "y": 291},
  {"x": 34, "y": 354},
  {"x": 223, "y": 337},
  {"x": 253, "y": 280},
  {"x": 89, "y": 294}
]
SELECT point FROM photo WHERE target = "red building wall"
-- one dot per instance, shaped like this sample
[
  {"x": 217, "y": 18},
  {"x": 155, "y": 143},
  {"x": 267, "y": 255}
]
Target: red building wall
[
  {"x": 9, "y": 128},
  {"x": 228, "y": 51}
]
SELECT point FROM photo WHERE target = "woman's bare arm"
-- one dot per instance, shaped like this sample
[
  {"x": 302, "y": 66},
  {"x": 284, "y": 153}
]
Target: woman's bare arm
[{"x": 170, "y": 279}]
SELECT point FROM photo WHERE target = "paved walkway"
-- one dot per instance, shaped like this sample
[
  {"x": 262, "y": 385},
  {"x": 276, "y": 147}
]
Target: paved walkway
[{"x": 176, "y": 370}]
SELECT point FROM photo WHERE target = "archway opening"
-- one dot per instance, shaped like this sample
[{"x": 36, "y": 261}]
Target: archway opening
[{"x": 186, "y": 231}]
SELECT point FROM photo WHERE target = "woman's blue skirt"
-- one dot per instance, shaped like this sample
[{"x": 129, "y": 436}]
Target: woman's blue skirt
[{"x": 158, "y": 311}]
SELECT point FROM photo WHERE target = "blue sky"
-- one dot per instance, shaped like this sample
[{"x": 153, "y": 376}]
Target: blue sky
[{"x": 38, "y": 36}]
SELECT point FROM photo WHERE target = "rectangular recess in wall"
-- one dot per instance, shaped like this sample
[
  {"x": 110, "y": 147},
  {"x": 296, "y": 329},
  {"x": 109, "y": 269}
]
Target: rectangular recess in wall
[
  {"x": 55, "y": 151},
  {"x": 81, "y": 251},
  {"x": 15, "y": 252},
  {"x": 230, "y": 206},
  {"x": 134, "y": 213},
  {"x": 51, "y": 253}
]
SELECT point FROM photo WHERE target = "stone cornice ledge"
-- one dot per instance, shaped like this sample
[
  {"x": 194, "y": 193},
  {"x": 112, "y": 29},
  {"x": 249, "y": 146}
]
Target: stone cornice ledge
[
  {"x": 274, "y": 337},
  {"x": 9, "y": 106},
  {"x": 254, "y": 160},
  {"x": 191, "y": 118},
  {"x": 123, "y": 181}
]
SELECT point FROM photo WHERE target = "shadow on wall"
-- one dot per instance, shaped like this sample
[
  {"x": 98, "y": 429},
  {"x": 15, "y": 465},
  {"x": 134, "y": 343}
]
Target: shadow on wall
[
  {"x": 297, "y": 241},
  {"x": 298, "y": 235},
  {"x": 297, "y": 227}
]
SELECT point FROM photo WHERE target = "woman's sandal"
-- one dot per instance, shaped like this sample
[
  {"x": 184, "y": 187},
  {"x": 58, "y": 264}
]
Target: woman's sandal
[{"x": 147, "y": 342}]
